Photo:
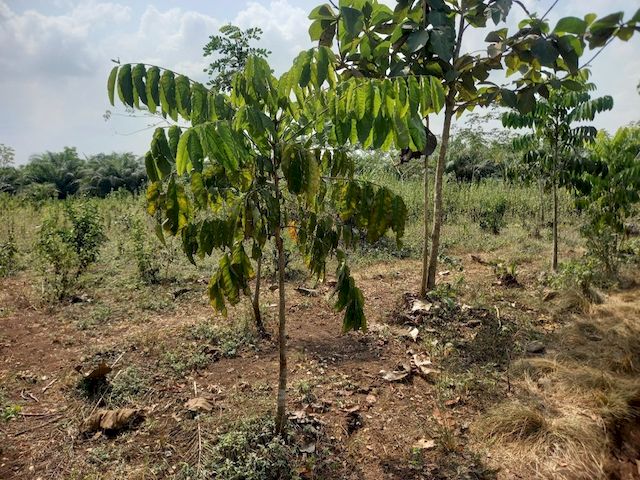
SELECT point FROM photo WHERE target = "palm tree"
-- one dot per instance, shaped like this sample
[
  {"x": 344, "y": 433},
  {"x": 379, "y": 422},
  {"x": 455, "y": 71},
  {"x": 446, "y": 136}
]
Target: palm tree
[
  {"x": 10, "y": 179},
  {"x": 61, "y": 169},
  {"x": 105, "y": 173}
]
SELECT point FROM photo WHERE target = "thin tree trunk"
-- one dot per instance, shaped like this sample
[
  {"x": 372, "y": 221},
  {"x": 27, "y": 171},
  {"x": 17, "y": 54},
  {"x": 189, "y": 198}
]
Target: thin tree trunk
[
  {"x": 425, "y": 248},
  {"x": 555, "y": 225},
  {"x": 282, "y": 338},
  {"x": 450, "y": 104},
  {"x": 437, "y": 195},
  {"x": 256, "y": 303},
  {"x": 541, "y": 214},
  {"x": 554, "y": 179}
]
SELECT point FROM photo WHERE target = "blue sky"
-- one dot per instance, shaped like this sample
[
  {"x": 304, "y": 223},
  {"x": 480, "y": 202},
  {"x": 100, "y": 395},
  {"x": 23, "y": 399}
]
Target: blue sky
[{"x": 55, "y": 58}]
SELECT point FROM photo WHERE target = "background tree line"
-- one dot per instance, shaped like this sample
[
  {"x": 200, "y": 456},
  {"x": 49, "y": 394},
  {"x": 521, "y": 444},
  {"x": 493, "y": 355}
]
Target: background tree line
[{"x": 65, "y": 173}]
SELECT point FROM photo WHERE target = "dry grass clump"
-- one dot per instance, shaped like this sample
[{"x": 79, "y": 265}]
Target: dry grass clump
[
  {"x": 515, "y": 422},
  {"x": 555, "y": 444},
  {"x": 534, "y": 367},
  {"x": 572, "y": 412}
]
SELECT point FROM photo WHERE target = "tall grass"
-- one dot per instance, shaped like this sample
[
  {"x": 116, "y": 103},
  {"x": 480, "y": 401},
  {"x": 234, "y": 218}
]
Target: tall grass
[{"x": 465, "y": 209}]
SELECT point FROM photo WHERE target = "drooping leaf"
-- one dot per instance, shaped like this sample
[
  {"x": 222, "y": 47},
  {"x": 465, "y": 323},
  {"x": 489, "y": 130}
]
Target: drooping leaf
[
  {"x": 125, "y": 85},
  {"x": 139, "y": 89},
  {"x": 152, "y": 87},
  {"x": 111, "y": 84},
  {"x": 168, "y": 95}
]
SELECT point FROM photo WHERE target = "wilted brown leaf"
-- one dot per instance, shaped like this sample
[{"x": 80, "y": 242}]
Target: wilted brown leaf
[
  {"x": 198, "y": 405},
  {"x": 112, "y": 420},
  {"x": 98, "y": 373},
  {"x": 397, "y": 375},
  {"x": 425, "y": 444}
]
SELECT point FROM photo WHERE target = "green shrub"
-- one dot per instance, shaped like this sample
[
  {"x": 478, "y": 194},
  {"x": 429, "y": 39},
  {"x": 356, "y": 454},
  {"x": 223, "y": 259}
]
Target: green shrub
[
  {"x": 8, "y": 251},
  {"x": 58, "y": 261},
  {"x": 86, "y": 234},
  {"x": 228, "y": 339},
  {"x": 38, "y": 193},
  {"x": 490, "y": 215},
  {"x": 127, "y": 387},
  {"x": 148, "y": 269},
  {"x": 67, "y": 246},
  {"x": 582, "y": 275}
]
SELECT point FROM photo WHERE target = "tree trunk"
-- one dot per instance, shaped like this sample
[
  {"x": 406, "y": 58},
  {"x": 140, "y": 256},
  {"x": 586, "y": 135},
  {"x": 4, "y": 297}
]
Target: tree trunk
[
  {"x": 425, "y": 248},
  {"x": 437, "y": 195},
  {"x": 554, "y": 179},
  {"x": 555, "y": 226},
  {"x": 256, "y": 303},
  {"x": 541, "y": 215},
  {"x": 282, "y": 338}
]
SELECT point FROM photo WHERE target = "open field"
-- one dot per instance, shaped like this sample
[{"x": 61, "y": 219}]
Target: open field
[{"x": 527, "y": 379}]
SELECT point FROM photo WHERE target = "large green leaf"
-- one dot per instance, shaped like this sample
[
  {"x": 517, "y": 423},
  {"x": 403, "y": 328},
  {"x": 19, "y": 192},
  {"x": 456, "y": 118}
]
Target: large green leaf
[
  {"x": 111, "y": 84},
  {"x": 352, "y": 20},
  {"x": 544, "y": 51},
  {"x": 125, "y": 85},
  {"x": 199, "y": 104},
  {"x": 417, "y": 40},
  {"x": 183, "y": 96},
  {"x": 139, "y": 89},
  {"x": 574, "y": 25},
  {"x": 168, "y": 94},
  {"x": 442, "y": 43},
  {"x": 177, "y": 207},
  {"x": 153, "y": 88}
]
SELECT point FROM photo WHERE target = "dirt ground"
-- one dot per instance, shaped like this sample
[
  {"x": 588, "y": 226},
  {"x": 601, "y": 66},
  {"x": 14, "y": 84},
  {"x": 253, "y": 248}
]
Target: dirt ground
[{"x": 373, "y": 429}]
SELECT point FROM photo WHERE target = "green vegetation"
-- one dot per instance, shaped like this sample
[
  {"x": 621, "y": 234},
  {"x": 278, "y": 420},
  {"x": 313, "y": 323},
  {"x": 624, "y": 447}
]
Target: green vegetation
[
  {"x": 251, "y": 450},
  {"x": 310, "y": 173},
  {"x": 61, "y": 174}
]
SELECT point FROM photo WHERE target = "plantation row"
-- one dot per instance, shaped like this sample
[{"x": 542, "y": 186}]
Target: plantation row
[{"x": 61, "y": 174}]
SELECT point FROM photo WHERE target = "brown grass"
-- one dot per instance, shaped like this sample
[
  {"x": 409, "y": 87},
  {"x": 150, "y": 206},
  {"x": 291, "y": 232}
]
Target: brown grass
[{"x": 573, "y": 410}]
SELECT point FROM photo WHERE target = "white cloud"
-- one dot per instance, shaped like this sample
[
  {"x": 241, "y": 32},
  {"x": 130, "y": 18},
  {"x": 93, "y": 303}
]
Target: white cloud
[
  {"x": 35, "y": 44},
  {"x": 55, "y": 65}
]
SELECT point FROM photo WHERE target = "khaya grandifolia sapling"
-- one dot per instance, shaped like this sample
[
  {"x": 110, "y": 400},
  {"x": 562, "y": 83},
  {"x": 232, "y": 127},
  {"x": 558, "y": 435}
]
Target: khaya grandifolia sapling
[
  {"x": 220, "y": 183},
  {"x": 426, "y": 37},
  {"x": 556, "y": 142},
  {"x": 231, "y": 51}
]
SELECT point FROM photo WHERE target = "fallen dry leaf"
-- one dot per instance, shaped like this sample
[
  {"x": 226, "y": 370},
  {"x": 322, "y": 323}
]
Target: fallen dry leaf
[
  {"x": 413, "y": 333},
  {"x": 422, "y": 366},
  {"x": 452, "y": 402},
  {"x": 425, "y": 444},
  {"x": 198, "y": 405},
  {"x": 421, "y": 307},
  {"x": 397, "y": 375},
  {"x": 99, "y": 372},
  {"x": 112, "y": 420},
  {"x": 310, "y": 448}
]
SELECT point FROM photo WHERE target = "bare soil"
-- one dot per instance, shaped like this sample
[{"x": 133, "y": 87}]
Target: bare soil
[{"x": 372, "y": 429}]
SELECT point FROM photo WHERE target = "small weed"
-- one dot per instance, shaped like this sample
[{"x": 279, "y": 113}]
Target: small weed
[
  {"x": 127, "y": 387},
  {"x": 251, "y": 451},
  {"x": 148, "y": 269},
  {"x": 67, "y": 246},
  {"x": 10, "y": 412},
  {"x": 446, "y": 293},
  {"x": 491, "y": 215},
  {"x": 100, "y": 313},
  {"x": 305, "y": 389},
  {"x": 507, "y": 274},
  {"x": 228, "y": 339},
  {"x": 155, "y": 303},
  {"x": 184, "y": 359}
]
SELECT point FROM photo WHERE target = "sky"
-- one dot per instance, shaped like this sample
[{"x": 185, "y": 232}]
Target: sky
[{"x": 55, "y": 57}]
